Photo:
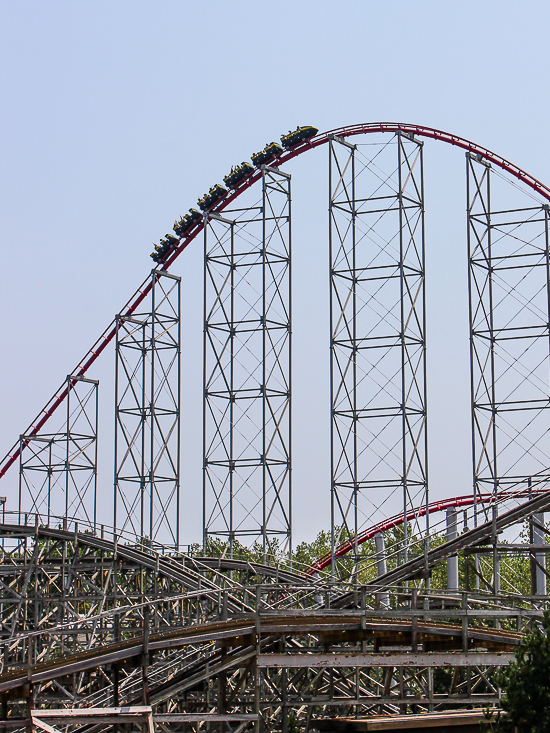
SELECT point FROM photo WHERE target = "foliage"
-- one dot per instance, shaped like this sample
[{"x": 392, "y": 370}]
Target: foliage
[
  {"x": 307, "y": 552},
  {"x": 293, "y": 725},
  {"x": 526, "y": 685},
  {"x": 515, "y": 569}
]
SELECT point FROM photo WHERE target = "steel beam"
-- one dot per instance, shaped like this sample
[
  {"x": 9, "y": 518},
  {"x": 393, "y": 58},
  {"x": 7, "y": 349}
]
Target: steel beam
[
  {"x": 509, "y": 293},
  {"x": 147, "y": 416},
  {"x": 378, "y": 348},
  {"x": 247, "y": 491},
  {"x": 58, "y": 471}
]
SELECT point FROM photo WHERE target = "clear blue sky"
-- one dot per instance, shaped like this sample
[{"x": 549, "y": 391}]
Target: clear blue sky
[{"x": 117, "y": 115}]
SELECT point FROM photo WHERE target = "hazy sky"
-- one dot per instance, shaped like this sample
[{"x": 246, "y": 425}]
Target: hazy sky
[{"x": 117, "y": 115}]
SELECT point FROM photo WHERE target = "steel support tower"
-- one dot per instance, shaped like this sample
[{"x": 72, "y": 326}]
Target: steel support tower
[
  {"x": 58, "y": 471},
  {"x": 147, "y": 416},
  {"x": 378, "y": 347},
  {"x": 247, "y": 489},
  {"x": 509, "y": 337},
  {"x": 508, "y": 255}
]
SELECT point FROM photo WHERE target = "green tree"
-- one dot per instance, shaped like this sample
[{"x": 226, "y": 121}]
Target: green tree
[{"x": 526, "y": 684}]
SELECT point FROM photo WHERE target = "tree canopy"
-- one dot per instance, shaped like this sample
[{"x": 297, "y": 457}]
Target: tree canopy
[{"x": 526, "y": 684}]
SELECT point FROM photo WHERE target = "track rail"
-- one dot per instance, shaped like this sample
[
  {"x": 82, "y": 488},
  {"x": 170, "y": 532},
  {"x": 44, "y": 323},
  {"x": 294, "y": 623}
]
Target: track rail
[
  {"x": 186, "y": 574},
  {"x": 239, "y": 633},
  {"x": 185, "y": 570},
  {"x": 398, "y": 519},
  {"x": 139, "y": 296},
  {"x": 477, "y": 536}
]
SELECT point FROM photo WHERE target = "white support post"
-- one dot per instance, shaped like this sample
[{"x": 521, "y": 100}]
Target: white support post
[
  {"x": 452, "y": 562},
  {"x": 381, "y": 565},
  {"x": 538, "y": 539}
]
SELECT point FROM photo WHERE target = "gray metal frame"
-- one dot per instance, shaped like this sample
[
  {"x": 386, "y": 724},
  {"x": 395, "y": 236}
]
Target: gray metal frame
[
  {"x": 58, "y": 471},
  {"x": 147, "y": 416},
  {"x": 247, "y": 487},
  {"x": 509, "y": 276},
  {"x": 378, "y": 348}
]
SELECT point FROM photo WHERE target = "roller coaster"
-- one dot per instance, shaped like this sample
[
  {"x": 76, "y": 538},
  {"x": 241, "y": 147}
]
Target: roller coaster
[{"x": 407, "y": 616}]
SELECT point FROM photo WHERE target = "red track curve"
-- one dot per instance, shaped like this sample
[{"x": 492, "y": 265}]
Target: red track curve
[
  {"x": 437, "y": 506},
  {"x": 138, "y": 297}
]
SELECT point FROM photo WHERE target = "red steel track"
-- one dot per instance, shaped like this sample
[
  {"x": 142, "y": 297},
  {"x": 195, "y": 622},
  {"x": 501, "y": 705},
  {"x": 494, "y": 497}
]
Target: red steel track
[
  {"x": 343, "y": 132},
  {"x": 437, "y": 506}
]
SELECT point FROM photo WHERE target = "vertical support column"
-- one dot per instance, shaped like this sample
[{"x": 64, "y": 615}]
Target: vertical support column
[
  {"x": 381, "y": 566},
  {"x": 378, "y": 348},
  {"x": 247, "y": 490},
  {"x": 81, "y": 450},
  {"x": 413, "y": 342},
  {"x": 452, "y": 561},
  {"x": 222, "y": 691},
  {"x": 482, "y": 361},
  {"x": 540, "y": 557},
  {"x": 147, "y": 416},
  {"x": 36, "y": 476},
  {"x": 343, "y": 335},
  {"x": 58, "y": 471},
  {"x": 508, "y": 256}
]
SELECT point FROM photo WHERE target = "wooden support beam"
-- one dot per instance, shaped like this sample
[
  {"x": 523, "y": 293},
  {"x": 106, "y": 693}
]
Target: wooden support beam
[
  {"x": 399, "y": 659},
  {"x": 37, "y": 723}
]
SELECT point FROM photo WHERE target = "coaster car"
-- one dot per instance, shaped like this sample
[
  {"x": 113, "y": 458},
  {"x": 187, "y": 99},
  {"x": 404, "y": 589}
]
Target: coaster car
[
  {"x": 216, "y": 193},
  {"x": 162, "y": 249},
  {"x": 187, "y": 222},
  {"x": 272, "y": 150},
  {"x": 298, "y": 136},
  {"x": 238, "y": 174}
]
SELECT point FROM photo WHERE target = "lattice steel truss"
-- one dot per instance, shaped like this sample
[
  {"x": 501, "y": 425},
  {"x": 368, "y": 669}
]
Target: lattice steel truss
[
  {"x": 58, "y": 471},
  {"x": 378, "y": 349},
  {"x": 509, "y": 338},
  {"x": 247, "y": 361},
  {"x": 147, "y": 416}
]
